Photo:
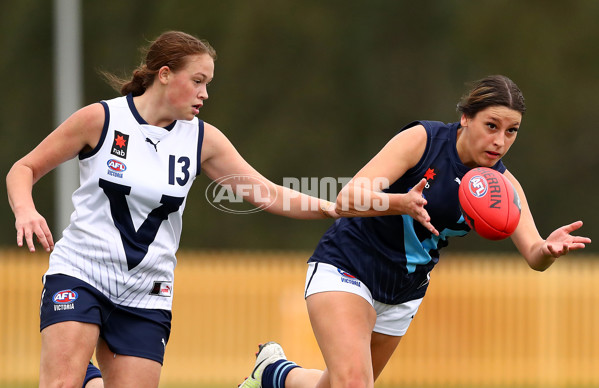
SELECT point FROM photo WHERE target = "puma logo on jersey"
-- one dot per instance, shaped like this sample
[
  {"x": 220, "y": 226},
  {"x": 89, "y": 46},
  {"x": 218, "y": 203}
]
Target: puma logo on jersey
[
  {"x": 148, "y": 140},
  {"x": 426, "y": 281}
]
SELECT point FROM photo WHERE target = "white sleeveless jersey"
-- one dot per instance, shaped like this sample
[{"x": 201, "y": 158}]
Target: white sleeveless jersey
[{"x": 126, "y": 226}]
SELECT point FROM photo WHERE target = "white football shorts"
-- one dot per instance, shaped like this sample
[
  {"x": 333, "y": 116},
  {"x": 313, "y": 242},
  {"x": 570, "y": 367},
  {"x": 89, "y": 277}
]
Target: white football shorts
[{"x": 390, "y": 319}]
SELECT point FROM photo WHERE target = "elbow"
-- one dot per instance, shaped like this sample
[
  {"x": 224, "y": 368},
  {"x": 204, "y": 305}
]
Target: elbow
[
  {"x": 542, "y": 264},
  {"x": 10, "y": 174},
  {"x": 538, "y": 268}
]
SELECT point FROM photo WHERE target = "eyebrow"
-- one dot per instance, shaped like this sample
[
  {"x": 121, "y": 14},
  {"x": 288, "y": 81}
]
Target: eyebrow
[
  {"x": 496, "y": 119},
  {"x": 203, "y": 76}
]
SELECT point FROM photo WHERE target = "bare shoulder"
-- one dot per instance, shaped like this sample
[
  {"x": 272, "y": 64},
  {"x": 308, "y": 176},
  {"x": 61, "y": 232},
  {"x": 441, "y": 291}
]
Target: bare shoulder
[
  {"x": 219, "y": 156},
  {"x": 92, "y": 115},
  {"x": 400, "y": 154},
  {"x": 86, "y": 124},
  {"x": 416, "y": 134},
  {"x": 512, "y": 178},
  {"x": 410, "y": 143},
  {"x": 211, "y": 133},
  {"x": 215, "y": 142},
  {"x": 80, "y": 132},
  {"x": 88, "y": 119}
]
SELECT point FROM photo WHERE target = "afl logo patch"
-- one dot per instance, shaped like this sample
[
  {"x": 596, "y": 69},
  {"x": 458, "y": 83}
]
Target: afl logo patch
[
  {"x": 115, "y": 165},
  {"x": 65, "y": 296},
  {"x": 478, "y": 186}
]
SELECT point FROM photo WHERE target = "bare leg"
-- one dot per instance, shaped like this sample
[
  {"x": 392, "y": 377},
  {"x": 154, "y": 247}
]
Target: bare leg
[
  {"x": 120, "y": 371},
  {"x": 382, "y": 347},
  {"x": 355, "y": 356},
  {"x": 95, "y": 383},
  {"x": 342, "y": 323},
  {"x": 66, "y": 350},
  {"x": 304, "y": 378}
]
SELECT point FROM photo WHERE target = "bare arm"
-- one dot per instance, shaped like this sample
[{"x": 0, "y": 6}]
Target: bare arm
[
  {"x": 80, "y": 131},
  {"x": 363, "y": 195},
  {"x": 220, "y": 159},
  {"x": 541, "y": 253}
]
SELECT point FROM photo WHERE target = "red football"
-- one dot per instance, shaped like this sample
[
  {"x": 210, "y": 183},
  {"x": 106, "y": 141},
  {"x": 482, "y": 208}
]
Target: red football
[{"x": 489, "y": 203}]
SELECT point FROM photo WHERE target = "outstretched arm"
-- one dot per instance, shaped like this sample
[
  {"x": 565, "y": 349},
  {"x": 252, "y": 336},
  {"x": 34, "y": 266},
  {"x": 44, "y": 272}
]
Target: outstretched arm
[
  {"x": 220, "y": 159},
  {"x": 363, "y": 196},
  {"x": 541, "y": 253}
]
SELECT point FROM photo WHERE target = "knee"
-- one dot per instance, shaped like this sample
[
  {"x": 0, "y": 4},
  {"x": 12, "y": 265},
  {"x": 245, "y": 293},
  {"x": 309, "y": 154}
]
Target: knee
[
  {"x": 63, "y": 382},
  {"x": 351, "y": 378}
]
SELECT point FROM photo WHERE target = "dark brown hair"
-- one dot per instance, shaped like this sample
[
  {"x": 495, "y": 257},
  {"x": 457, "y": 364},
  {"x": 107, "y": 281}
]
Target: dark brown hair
[
  {"x": 490, "y": 91},
  {"x": 170, "y": 49}
]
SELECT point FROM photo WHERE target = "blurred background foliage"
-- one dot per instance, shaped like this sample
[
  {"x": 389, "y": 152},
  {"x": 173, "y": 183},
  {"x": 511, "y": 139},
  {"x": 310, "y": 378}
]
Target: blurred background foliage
[{"x": 315, "y": 88}]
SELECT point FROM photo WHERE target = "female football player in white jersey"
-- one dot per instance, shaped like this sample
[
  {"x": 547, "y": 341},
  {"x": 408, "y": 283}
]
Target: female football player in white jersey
[
  {"x": 369, "y": 273},
  {"x": 109, "y": 283}
]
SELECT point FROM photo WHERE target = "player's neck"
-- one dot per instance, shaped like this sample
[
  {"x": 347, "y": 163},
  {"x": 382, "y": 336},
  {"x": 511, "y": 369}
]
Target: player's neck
[{"x": 152, "y": 108}]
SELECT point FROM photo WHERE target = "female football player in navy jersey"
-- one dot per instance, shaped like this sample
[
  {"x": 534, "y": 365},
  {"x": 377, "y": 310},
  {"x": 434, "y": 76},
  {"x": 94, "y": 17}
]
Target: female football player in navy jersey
[
  {"x": 370, "y": 271},
  {"x": 109, "y": 283}
]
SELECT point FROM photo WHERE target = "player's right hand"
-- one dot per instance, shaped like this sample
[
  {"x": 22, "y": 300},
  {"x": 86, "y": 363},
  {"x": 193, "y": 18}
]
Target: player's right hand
[{"x": 31, "y": 224}]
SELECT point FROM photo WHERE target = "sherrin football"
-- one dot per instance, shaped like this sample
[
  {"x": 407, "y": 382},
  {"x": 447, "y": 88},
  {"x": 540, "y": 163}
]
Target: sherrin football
[{"x": 489, "y": 203}]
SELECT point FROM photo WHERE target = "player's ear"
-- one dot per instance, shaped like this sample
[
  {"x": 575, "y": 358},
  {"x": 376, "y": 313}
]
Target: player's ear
[
  {"x": 464, "y": 120},
  {"x": 163, "y": 74}
]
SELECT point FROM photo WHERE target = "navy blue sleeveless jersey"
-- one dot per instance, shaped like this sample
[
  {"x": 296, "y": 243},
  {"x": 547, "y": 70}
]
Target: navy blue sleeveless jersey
[{"x": 394, "y": 254}]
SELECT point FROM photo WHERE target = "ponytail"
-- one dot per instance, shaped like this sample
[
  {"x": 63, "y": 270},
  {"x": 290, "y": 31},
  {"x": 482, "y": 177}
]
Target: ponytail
[{"x": 169, "y": 49}]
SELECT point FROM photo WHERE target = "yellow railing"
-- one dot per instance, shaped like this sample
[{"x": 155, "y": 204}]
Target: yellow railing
[{"x": 487, "y": 321}]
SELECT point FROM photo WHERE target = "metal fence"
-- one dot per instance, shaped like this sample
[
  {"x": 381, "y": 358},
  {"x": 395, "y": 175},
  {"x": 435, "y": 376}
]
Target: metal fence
[{"x": 487, "y": 321}]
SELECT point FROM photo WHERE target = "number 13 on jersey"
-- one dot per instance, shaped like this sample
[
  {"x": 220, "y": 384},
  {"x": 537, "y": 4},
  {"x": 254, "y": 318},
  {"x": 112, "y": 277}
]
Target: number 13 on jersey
[{"x": 178, "y": 170}]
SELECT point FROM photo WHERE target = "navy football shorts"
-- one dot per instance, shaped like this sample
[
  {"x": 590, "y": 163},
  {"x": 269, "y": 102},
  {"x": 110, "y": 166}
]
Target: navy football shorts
[{"x": 128, "y": 331}]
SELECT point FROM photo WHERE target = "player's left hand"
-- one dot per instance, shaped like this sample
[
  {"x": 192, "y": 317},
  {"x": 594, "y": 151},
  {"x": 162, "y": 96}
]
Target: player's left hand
[{"x": 560, "y": 242}]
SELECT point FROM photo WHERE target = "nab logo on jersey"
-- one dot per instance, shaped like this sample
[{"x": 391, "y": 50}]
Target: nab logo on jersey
[
  {"x": 119, "y": 144},
  {"x": 430, "y": 176},
  {"x": 65, "y": 296}
]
